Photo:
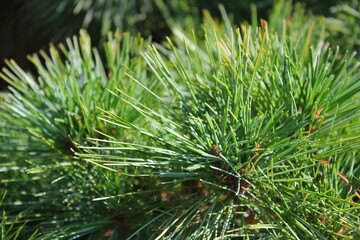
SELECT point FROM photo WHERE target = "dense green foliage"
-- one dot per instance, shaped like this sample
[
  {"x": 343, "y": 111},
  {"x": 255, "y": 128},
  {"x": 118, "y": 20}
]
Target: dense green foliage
[{"x": 223, "y": 131}]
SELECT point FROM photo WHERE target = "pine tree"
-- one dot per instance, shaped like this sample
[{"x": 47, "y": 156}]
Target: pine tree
[{"x": 224, "y": 131}]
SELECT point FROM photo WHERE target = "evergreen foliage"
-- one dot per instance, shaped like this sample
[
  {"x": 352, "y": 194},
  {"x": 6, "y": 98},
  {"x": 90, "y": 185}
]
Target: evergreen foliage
[
  {"x": 344, "y": 26},
  {"x": 224, "y": 131}
]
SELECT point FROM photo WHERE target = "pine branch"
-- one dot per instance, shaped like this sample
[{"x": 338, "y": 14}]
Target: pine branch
[
  {"x": 47, "y": 117},
  {"x": 228, "y": 132},
  {"x": 250, "y": 126}
]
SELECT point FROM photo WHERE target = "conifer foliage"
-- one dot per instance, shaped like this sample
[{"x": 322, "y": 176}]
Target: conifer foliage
[{"x": 247, "y": 131}]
